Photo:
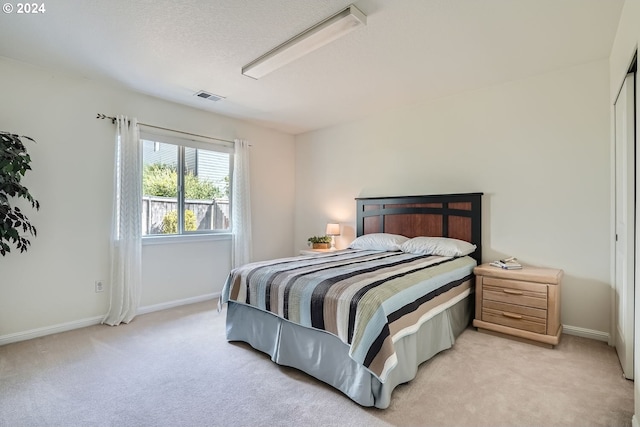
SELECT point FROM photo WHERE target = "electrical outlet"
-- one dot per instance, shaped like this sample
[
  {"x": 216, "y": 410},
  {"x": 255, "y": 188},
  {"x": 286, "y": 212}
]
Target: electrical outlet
[{"x": 99, "y": 286}]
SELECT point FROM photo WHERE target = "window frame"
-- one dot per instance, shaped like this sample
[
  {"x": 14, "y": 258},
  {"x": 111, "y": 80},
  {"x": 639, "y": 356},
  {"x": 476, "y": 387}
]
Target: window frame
[{"x": 183, "y": 141}]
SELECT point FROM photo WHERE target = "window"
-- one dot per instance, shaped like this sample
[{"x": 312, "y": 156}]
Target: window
[{"x": 185, "y": 185}]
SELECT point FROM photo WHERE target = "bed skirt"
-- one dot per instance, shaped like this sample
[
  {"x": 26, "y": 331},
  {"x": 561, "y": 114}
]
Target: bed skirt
[{"x": 325, "y": 357}]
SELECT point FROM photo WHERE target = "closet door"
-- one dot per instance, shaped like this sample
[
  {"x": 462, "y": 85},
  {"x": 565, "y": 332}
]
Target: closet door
[{"x": 625, "y": 190}]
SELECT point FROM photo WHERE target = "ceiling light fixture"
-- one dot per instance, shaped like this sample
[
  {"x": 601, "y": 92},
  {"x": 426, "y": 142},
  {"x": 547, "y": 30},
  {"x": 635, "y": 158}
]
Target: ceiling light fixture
[{"x": 309, "y": 40}]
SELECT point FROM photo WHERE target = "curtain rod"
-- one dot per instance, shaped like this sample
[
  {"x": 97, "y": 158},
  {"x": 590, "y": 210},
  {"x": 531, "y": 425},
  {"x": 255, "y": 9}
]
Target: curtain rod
[{"x": 113, "y": 120}]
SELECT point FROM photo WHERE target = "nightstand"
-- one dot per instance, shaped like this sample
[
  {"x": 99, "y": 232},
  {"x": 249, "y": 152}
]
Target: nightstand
[
  {"x": 315, "y": 251},
  {"x": 523, "y": 303}
]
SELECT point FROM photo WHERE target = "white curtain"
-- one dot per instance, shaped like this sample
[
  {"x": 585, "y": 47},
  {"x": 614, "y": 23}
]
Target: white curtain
[
  {"x": 241, "y": 205},
  {"x": 126, "y": 227}
]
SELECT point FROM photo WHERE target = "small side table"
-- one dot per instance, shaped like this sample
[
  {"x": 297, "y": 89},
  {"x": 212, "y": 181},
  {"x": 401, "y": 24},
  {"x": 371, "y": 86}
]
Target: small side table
[
  {"x": 315, "y": 251},
  {"x": 523, "y": 303}
]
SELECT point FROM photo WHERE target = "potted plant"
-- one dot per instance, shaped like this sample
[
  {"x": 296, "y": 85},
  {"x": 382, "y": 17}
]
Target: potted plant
[
  {"x": 320, "y": 242},
  {"x": 14, "y": 163}
]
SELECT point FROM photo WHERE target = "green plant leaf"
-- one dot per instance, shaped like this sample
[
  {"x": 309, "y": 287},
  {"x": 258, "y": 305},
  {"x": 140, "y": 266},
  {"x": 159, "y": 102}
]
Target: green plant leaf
[{"x": 14, "y": 163}]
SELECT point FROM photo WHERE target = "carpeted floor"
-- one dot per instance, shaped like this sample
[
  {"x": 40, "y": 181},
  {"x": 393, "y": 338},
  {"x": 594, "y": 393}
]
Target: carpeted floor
[{"x": 175, "y": 368}]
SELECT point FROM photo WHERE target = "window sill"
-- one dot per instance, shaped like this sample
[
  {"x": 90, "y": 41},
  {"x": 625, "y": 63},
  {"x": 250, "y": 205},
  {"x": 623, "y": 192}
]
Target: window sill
[{"x": 185, "y": 238}]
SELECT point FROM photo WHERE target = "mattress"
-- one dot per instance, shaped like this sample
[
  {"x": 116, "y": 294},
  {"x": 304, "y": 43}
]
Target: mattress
[{"x": 366, "y": 300}]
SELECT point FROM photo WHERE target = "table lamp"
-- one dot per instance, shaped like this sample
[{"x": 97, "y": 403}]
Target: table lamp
[{"x": 333, "y": 230}]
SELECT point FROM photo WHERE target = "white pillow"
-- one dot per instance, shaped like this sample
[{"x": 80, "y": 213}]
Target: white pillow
[
  {"x": 442, "y": 246},
  {"x": 379, "y": 242}
]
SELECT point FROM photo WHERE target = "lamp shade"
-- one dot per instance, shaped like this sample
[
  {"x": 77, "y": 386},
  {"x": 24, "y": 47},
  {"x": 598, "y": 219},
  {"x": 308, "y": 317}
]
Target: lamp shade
[{"x": 333, "y": 229}]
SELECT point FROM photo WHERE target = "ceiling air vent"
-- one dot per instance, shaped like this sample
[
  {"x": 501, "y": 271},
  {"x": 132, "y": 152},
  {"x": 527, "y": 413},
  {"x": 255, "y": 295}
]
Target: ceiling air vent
[{"x": 209, "y": 96}]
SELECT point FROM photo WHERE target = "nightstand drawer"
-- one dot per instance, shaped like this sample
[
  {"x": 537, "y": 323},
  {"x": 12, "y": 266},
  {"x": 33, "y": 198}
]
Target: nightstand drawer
[
  {"x": 515, "y": 320},
  {"x": 514, "y": 292},
  {"x": 516, "y": 309}
]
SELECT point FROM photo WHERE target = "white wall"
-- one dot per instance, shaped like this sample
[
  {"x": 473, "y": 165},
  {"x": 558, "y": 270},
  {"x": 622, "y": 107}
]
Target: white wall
[
  {"x": 625, "y": 44},
  {"x": 51, "y": 286},
  {"x": 538, "y": 149}
]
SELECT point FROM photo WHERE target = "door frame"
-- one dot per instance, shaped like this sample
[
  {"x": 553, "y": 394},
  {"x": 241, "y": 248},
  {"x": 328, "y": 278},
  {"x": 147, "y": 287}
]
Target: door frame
[{"x": 635, "y": 336}]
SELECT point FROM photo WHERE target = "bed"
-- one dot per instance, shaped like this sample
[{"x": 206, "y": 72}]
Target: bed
[{"x": 364, "y": 318}]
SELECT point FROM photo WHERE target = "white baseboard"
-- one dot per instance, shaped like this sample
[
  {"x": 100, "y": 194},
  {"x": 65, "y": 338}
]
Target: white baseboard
[
  {"x": 165, "y": 305},
  {"x": 585, "y": 333},
  {"x": 50, "y": 330},
  {"x": 634, "y": 421},
  {"x": 83, "y": 323}
]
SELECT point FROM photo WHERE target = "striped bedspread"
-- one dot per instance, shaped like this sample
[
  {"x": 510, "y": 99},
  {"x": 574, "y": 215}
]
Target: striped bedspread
[{"x": 368, "y": 299}]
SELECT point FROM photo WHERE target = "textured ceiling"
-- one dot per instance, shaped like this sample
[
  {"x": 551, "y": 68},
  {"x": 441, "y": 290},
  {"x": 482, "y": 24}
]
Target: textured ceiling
[{"x": 409, "y": 51}]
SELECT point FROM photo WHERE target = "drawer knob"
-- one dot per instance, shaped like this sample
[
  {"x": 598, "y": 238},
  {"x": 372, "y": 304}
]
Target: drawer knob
[
  {"x": 512, "y": 292},
  {"x": 511, "y": 315}
]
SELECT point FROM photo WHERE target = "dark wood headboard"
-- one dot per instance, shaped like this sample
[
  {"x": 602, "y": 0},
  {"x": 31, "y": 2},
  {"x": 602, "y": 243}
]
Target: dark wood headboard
[{"x": 458, "y": 216}]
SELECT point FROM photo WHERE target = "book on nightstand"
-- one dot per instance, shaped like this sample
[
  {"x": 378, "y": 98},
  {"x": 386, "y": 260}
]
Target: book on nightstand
[{"x": 510, "y": 263}]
